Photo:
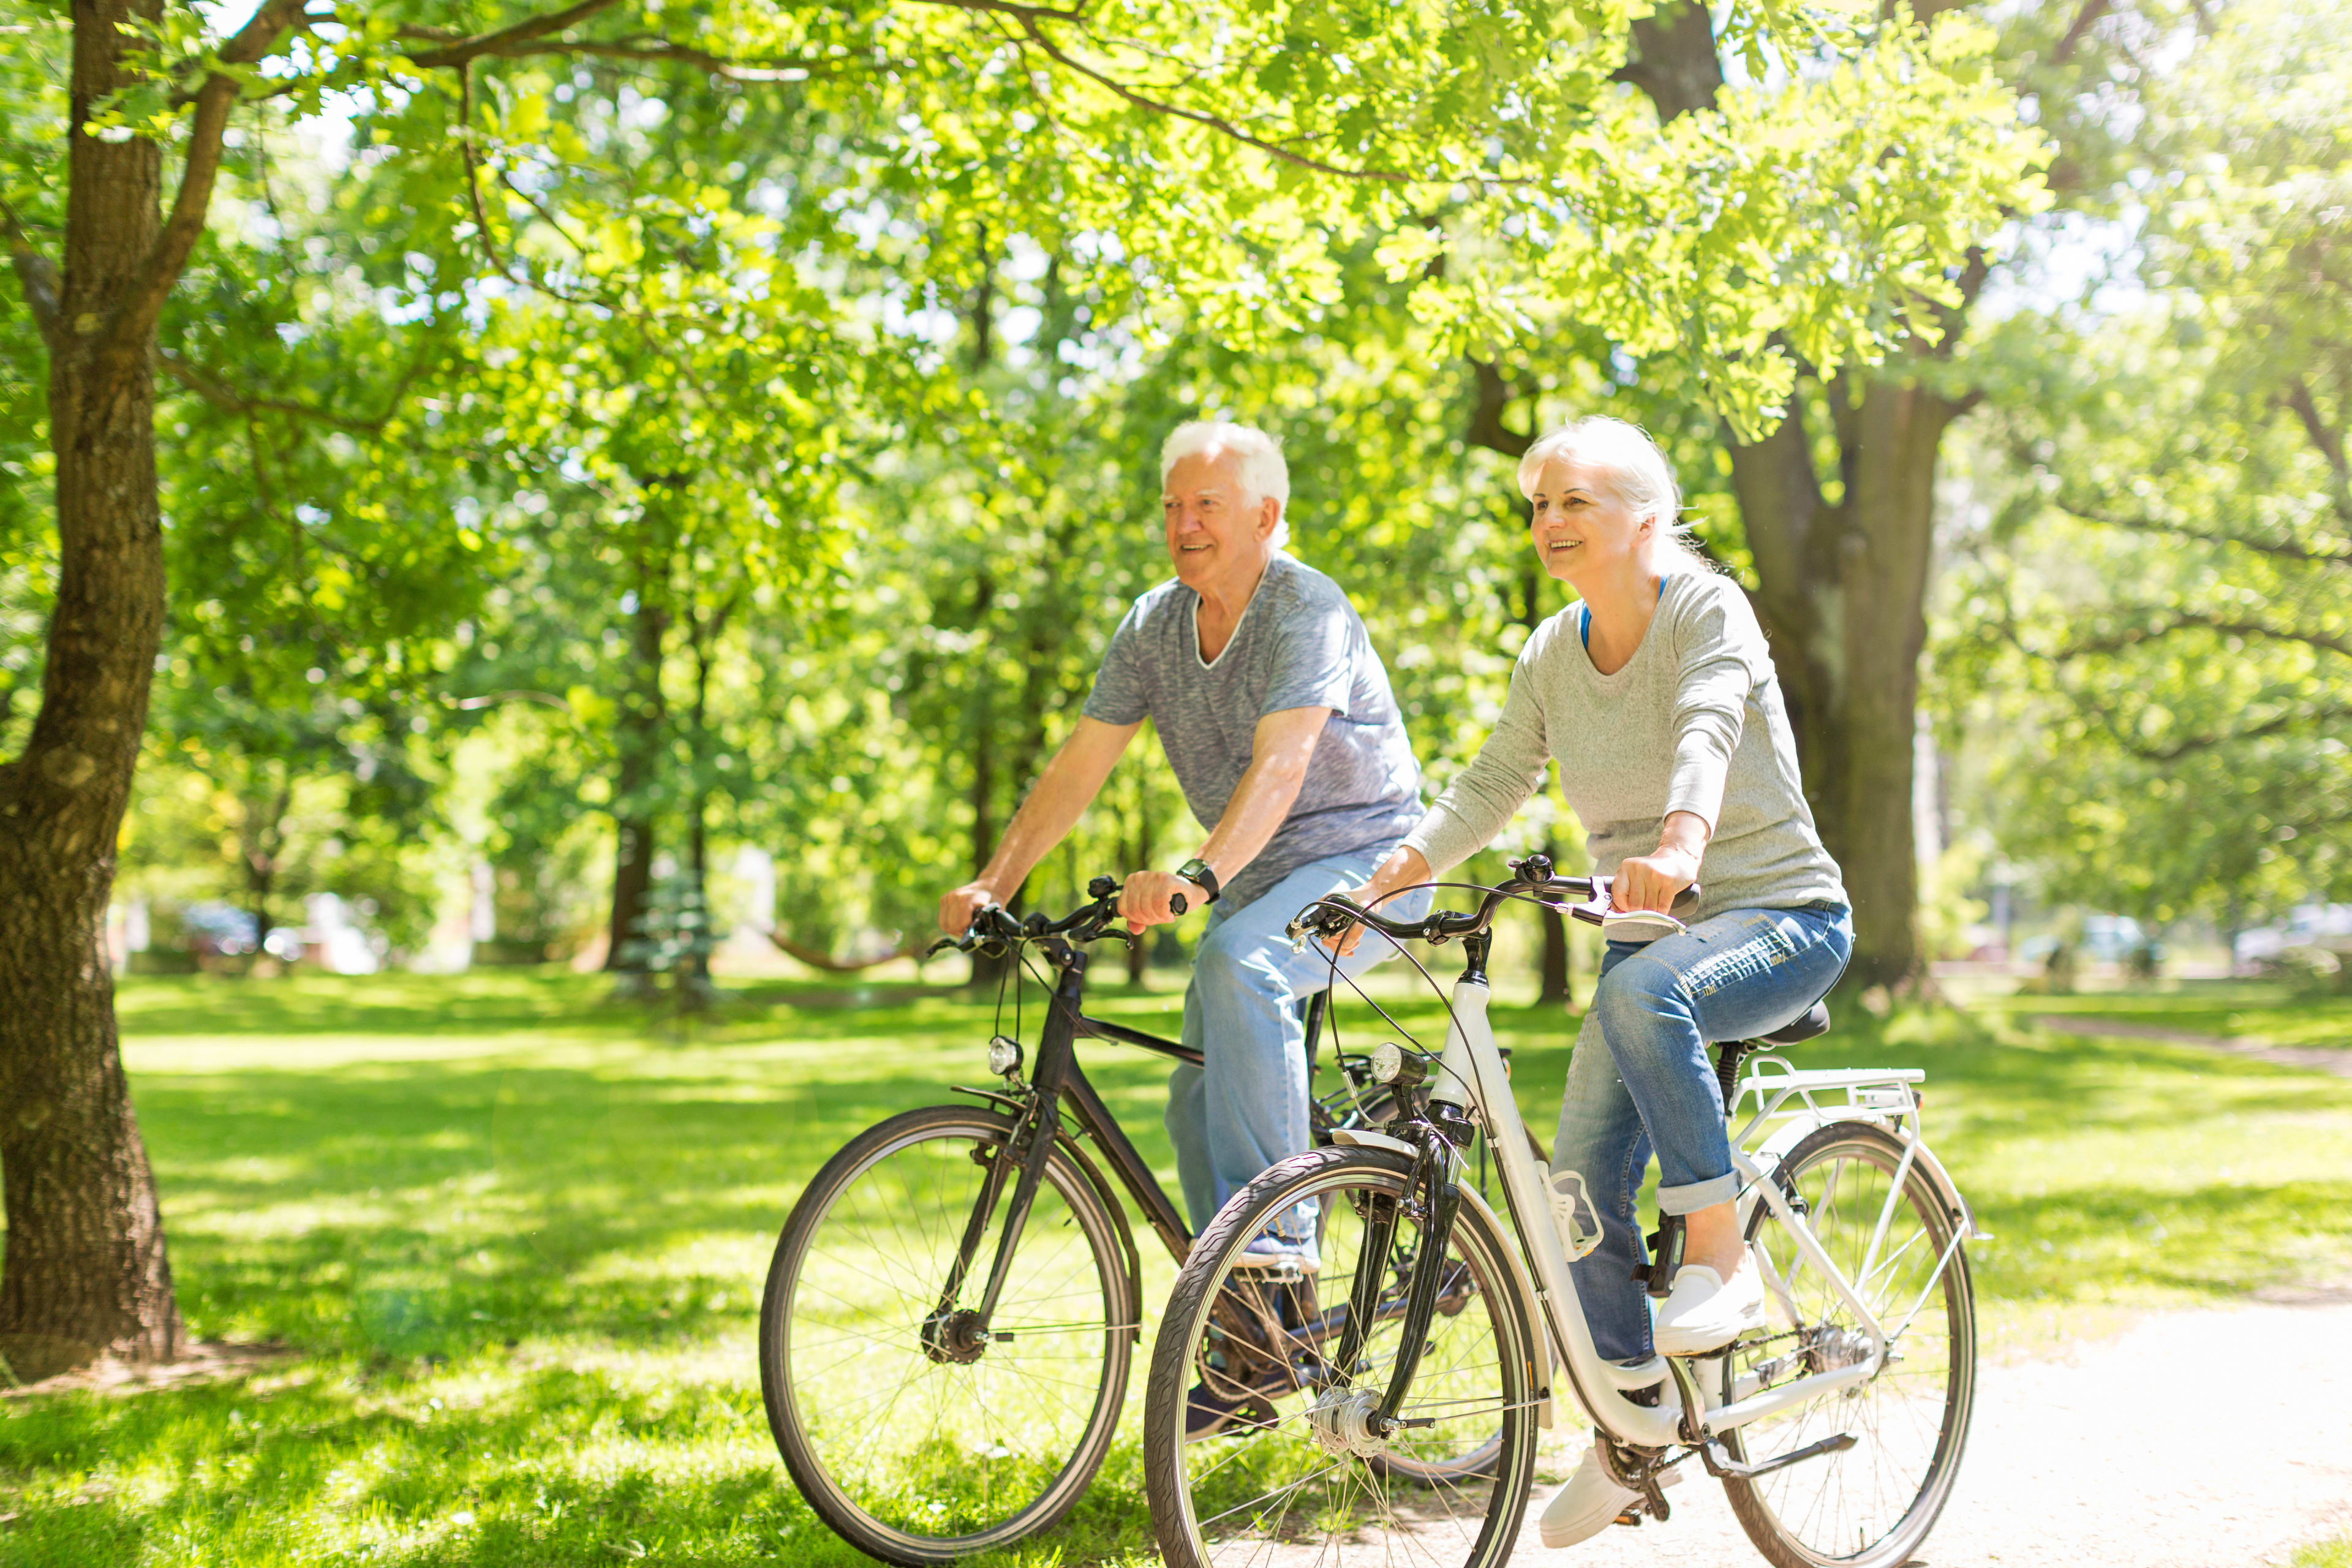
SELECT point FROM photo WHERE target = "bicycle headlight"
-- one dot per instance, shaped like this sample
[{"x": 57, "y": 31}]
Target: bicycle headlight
[
  {"x": 1396, "y": 1067},
  {"x": 1004, "y": 1056}
]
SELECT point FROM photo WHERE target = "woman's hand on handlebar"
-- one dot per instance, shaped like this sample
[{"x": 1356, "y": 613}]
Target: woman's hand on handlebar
[
  {"x": 1404, "y": 868},
  {"x": 958, "y": 908},
  {"x": 1653, "y": 881}
]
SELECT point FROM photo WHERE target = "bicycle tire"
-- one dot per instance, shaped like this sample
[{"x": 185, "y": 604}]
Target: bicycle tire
[
  {"x": 1889, "y": 1409},
  {"x": 870, "y": 1494},
  {"x": 1496, "y": 1488}
]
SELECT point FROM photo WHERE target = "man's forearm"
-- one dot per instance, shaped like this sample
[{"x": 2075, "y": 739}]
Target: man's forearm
[
  {"x": 1260, "y": 802},
  {"x": 1281, "y": 747},
  {"x": 1068, "y": 786}
]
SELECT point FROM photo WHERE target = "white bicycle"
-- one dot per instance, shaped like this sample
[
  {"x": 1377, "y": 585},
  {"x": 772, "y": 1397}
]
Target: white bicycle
[{"x": 1385, "y": 1406}]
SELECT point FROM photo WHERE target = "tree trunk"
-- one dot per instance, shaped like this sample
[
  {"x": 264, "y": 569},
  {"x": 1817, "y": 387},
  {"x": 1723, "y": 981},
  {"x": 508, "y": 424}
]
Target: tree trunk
[
  {"x": 638, "y": 736},
  {"x": 86, "y": 1271},
  {"x": 987, "y": 972},
  {"x": 1559, "y": 976},
  {"x": 1842, "y": 589},
  {"x": 1843, "y": 596},
  {"x": 264, "y": 831},
  {"x": 1139, "y": 951}
]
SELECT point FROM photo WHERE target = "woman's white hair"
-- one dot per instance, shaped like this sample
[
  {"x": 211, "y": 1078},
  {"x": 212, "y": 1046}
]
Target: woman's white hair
[
  {"x": 1257, "y": 456},
  {"x": 1637, "y": 474}
]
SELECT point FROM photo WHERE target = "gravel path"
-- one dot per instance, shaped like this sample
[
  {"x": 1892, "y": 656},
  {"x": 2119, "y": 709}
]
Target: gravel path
[
  {"x": 2205, "y": 1439},
  {"x": 2318, "y": 1058}
]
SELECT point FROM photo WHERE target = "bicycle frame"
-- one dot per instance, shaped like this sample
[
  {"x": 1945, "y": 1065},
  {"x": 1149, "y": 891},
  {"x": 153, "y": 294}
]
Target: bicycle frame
[
  {"x": 1058, "y": 1077},
  {"x": 1470, "y": 1075}
]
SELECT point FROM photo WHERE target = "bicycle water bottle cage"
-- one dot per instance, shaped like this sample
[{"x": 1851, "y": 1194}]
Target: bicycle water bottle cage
[{"x": 1574, "y": 1214}]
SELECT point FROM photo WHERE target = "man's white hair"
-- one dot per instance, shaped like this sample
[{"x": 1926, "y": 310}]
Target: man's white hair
[
  {"x": 1637, "y": 473},
  {"x": 1257, "y": 457}
]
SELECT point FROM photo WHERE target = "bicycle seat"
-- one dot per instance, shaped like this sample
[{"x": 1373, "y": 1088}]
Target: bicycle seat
[{"x": 1814, "y": 1020}]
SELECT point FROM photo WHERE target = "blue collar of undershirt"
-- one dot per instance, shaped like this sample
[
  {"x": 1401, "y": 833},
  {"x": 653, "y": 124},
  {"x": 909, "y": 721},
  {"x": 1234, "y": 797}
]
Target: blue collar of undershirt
[{"x": 1587, "y": 622}]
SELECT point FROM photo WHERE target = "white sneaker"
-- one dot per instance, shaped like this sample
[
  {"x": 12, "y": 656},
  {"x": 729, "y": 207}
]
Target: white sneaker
[
  {"x": 1590, "y": 1502},
  {"x": 1705, "y": 1311}
]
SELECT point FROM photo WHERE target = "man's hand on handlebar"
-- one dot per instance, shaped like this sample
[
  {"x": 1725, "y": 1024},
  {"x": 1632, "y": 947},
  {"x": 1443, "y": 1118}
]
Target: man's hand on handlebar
[
  {"x": 957, "y": 909},
  {"x": 1148, "y": 898}
]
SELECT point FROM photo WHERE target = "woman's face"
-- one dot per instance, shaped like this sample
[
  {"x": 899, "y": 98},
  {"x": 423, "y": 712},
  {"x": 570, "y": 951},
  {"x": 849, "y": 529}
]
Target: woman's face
[{"x": 1581, "y": 530}]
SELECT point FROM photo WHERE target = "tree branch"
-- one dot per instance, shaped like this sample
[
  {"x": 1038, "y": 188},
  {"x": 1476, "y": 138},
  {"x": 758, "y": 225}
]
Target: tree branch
[
  {"x": 639, "y": 46},
  {"x": 463, "y": 49},
  {"x": 123, "y": 350},
  {"x": 2076, "y": 31},
  {"x": 38, "y": 276},
  {"x": 2285, "y": 552},
  {"x": 2194, "y": 621},
  {"x": 223, "y": 397},
  {"x": 2180, "y": 749},
  {"x": 832, "y": 965},
  {"x": 2329, "y": 442},
  {"x": 1033, "y": 34},
  {"x": 1486, "y": 427}
]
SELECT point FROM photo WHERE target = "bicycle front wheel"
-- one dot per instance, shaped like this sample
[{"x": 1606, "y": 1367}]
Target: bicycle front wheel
[
  {"x": 1293, "y": 1473},
  {"x": 917, "y": 1440},
  {"x": 1871, "y": 1505}
]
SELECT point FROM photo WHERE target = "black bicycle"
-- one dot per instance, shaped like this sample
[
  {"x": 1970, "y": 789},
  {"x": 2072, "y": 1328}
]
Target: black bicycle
[{"x": 956, "y": 1298}]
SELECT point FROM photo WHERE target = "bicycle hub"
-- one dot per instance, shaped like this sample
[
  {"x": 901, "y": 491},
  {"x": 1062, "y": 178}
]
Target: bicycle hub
[{"x": 954, "y": 1339}]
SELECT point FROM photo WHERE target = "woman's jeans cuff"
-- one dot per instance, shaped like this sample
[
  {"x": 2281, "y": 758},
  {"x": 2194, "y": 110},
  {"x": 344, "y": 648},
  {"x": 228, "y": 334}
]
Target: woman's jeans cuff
[{"x": 1699, "y": 1196}]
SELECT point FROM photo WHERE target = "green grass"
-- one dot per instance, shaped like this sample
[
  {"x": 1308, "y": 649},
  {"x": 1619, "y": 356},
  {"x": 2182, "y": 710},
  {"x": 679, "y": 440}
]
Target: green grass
[
  {"x": 2268, "y": 1010},
  {"x": 517, "y": 1236},
  {"x": 2336, "y": 1553}
]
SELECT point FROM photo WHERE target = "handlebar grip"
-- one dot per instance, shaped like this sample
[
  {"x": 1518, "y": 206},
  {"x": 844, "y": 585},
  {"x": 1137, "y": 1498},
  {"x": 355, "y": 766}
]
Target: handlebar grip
[{"x": 1176, "y": 904}]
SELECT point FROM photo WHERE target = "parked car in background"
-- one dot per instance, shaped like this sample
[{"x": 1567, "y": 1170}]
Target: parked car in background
[{"x": 2324, "y": 926}]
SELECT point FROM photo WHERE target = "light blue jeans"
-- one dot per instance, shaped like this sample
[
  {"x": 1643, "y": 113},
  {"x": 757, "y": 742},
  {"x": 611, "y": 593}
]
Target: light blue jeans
[
  {"x": 1640, "y": 1077},
  {"x": 1245, "y": 1106}
]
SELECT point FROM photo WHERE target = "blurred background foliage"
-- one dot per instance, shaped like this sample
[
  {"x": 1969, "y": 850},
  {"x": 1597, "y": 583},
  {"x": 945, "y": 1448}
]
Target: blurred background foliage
[{"x": 584, "y": 473}]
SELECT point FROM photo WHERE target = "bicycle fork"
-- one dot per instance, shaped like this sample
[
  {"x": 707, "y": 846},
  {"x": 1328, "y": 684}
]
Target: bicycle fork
[{"x": 950, "y": 1334}]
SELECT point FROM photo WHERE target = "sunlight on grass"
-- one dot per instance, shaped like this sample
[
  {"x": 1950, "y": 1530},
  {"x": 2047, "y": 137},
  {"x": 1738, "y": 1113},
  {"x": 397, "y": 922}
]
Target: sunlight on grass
[
  {"x": 2270, "y": 1010},
  {"x": 517, "y": 1236}
]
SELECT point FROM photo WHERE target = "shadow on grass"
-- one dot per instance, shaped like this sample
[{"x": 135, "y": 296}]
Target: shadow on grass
[{"x": 525, "y": 1277}]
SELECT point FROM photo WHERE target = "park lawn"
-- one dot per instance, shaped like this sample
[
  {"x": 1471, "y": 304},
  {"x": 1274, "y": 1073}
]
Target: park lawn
[
  {"x": 2272, "y": 1011},
  {"x": 517, "y": 1235}
]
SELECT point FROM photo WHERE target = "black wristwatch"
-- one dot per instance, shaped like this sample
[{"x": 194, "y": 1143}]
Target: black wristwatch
[{"x": 1196, "y": 871}]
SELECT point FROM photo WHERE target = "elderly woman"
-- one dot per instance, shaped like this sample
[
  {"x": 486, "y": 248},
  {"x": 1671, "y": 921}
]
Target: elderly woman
[{"x": 1655, "y": 695}]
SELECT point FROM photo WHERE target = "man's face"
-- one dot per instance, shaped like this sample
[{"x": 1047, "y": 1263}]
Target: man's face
[{"x": 1216, "y": 530}]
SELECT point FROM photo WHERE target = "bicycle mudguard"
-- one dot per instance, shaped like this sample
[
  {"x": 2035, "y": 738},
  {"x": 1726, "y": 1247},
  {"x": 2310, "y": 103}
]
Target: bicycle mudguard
[
  {"x": 1802, "y": 1124},
  {"x": 1126, "y": 1233}
]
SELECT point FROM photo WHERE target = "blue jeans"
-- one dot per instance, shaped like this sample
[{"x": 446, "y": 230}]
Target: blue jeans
[
  {"x": 1640, "y": 1077},
  {"x": 1245, "y": 1106}
]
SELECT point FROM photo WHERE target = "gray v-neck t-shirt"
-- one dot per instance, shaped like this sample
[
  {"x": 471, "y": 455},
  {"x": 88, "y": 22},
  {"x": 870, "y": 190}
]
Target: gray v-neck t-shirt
[
  {"x": 1693, "y": 723},
  {"x": 1300, "y": 644}
]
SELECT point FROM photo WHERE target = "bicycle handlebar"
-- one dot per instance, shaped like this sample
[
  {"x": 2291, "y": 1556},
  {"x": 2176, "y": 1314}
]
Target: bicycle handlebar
[
  {"x": 1331, "y": 915},
  {"x": 999, "y": 925}
]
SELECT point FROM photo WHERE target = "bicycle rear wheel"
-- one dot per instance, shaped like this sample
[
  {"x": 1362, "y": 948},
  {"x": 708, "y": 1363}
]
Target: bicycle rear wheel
[
  {"x": 1872, "y": 1504},
  {"x": 1280, "y": 1485},
  {"x": 920, "y": 1449}
]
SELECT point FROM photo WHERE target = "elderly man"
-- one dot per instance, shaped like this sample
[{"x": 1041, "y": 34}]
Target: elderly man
[{"x": 1276, "y": 716}]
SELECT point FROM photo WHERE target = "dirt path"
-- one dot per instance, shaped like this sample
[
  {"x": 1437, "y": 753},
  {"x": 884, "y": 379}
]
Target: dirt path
[
  {"x": 2207, "y": 1439},
  {"x": 2318, "y": 1058}
]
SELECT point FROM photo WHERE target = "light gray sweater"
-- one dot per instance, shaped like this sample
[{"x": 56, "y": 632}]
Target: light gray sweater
[{"x": 1693, "y": 723}]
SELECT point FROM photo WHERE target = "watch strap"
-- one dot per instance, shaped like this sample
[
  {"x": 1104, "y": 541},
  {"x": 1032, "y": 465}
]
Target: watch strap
[{"x": 1196, "y": 871}]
